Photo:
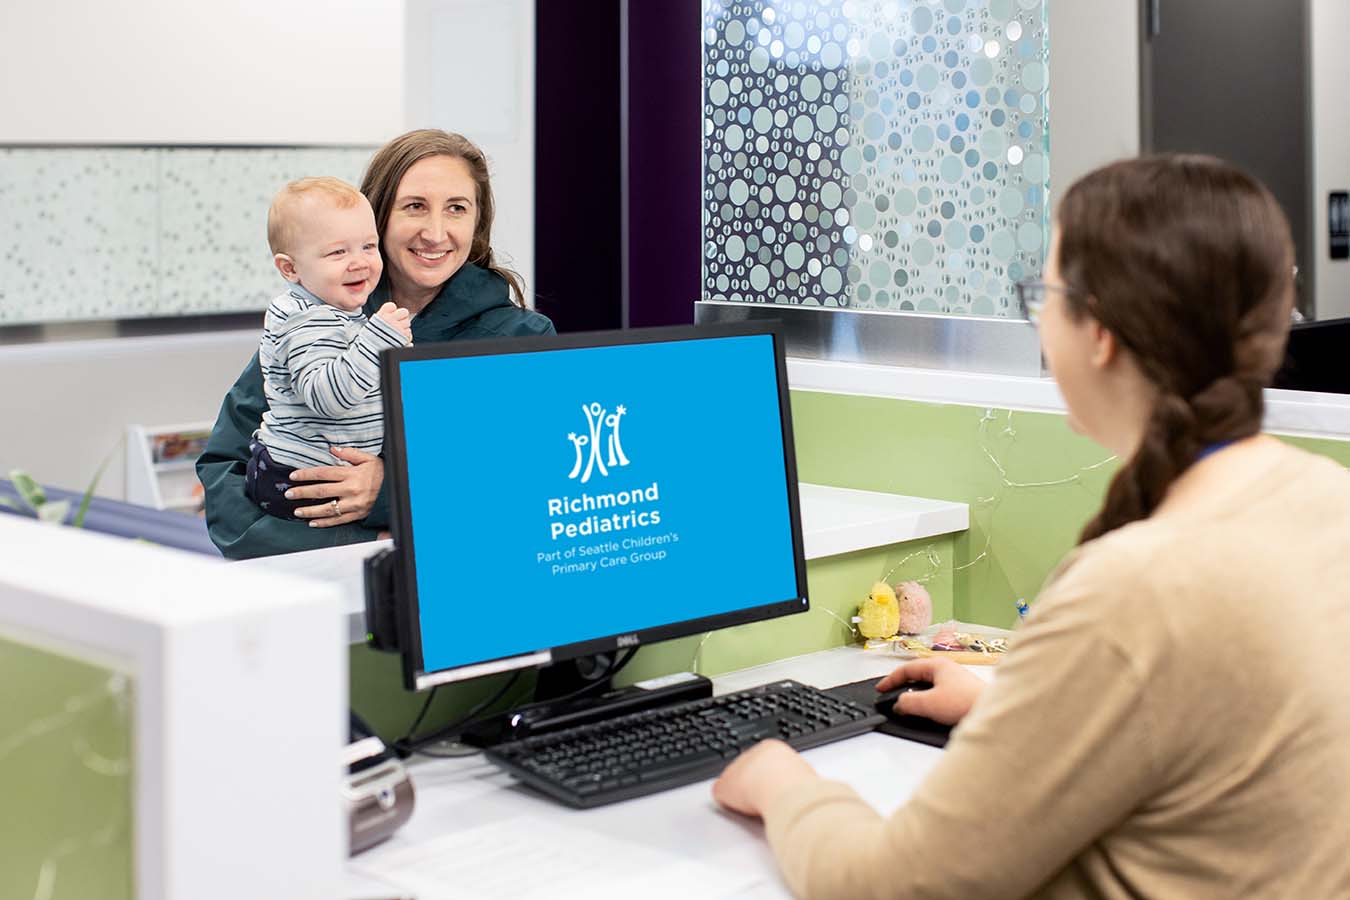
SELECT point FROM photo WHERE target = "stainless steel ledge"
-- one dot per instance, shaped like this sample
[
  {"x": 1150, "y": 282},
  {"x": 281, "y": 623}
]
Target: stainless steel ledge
[{"x": 983, "y": 344}]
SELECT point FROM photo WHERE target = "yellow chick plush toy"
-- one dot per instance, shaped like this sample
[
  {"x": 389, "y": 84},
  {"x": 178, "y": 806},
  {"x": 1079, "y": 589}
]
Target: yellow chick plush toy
[{"x": 879, "y": 614}]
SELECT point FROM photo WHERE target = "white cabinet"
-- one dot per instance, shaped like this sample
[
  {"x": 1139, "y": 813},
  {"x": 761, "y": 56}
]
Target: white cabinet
[{"x": 161, "y": 465}]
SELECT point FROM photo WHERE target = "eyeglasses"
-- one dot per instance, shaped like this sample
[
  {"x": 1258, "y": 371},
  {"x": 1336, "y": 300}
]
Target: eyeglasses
[{"x": 1031, "y": 297}]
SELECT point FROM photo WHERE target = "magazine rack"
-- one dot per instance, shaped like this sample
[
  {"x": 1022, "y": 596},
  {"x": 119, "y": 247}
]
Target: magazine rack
[{"x": 161, "y": 465}]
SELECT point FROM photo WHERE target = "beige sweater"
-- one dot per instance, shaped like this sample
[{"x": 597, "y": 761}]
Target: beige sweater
[{"x": 1173, "y": 720}]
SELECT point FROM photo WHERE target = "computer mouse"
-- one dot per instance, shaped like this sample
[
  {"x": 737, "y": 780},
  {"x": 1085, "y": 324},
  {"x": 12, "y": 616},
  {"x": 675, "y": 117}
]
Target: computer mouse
[
  {"x": 911, "y": 728},
  {"x": 885, "y": 702}
]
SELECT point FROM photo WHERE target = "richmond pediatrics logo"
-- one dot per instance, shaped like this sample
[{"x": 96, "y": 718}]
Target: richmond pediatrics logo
[
  {"x": 598, "y": 419},
  {"x": 612, "y": 508}
]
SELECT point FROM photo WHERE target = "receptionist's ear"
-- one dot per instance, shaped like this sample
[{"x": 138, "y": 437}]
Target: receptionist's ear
[{"x": 1105, "y": 346}]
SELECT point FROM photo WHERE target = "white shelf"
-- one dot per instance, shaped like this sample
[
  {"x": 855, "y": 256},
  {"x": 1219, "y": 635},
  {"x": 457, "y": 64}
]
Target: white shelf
[{"x": 840, "y": 520}]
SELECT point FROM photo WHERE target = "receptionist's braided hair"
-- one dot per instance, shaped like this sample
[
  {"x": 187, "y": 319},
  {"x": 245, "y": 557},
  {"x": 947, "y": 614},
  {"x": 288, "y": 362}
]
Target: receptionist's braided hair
[
  {"x": 1188, "y": 261},
  {"x": 392, "y": 161}
]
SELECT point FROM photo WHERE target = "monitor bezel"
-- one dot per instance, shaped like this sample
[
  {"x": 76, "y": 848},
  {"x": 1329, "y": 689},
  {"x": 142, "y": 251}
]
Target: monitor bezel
[{"x": 407, "y": 603}]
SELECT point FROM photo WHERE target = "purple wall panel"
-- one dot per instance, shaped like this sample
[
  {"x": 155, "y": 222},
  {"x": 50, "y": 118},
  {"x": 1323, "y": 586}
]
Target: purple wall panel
[
  {"x": 664, "y": 161},
  {"x": 578, "y": 211}
]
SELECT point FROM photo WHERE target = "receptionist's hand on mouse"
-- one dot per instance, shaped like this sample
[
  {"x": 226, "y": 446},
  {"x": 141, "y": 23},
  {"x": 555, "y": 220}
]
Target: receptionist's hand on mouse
[
  {"x": 756, "y": 777},
  {"x": 953, "y": 693}
]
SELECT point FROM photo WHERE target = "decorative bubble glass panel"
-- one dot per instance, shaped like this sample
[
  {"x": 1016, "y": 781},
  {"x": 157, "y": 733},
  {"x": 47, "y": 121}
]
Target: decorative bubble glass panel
[{"x": 881, "y": 155}]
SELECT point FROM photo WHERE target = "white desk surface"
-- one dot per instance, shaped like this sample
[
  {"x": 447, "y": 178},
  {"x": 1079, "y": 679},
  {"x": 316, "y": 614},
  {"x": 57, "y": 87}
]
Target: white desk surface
[
  {"x": 834, "y": 520},
  {"x": 676, "y": 844}
]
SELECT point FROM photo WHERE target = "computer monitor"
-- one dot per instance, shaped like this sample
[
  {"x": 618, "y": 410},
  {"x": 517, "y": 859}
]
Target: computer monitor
[
  {"x": 562, "y": 496},
  {"x": 1314, "y": 359}
]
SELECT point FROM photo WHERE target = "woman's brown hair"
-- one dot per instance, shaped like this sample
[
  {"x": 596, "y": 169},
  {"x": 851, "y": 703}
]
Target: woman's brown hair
[
  {"x": 1188, "y": 261},
  {"x": 392, "y": 161}
]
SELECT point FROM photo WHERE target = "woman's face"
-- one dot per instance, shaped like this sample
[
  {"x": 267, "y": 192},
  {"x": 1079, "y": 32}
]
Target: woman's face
[
  {"x": 1069, "y": 345},
  {"x": 431, "y": 226}
]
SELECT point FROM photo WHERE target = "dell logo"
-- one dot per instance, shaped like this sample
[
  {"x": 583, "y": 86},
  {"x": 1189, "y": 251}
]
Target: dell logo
[{"x": 628, "y": 640}]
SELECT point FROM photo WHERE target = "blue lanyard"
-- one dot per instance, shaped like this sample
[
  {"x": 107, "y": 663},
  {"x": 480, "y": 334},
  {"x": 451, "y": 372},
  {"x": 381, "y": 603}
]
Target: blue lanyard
[{"x": 1212, "y": 448}]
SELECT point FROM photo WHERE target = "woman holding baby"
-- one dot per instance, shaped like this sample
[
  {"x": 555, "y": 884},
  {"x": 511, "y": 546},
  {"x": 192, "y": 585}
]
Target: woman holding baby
[{"x": 433, "y": 210}]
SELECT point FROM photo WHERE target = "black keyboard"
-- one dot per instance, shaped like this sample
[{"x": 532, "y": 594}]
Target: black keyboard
[{"x": 645, "y": 752}]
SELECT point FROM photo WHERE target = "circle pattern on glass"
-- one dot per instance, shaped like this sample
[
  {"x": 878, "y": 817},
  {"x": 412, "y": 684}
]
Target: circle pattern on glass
[{"x": 875, "y": 154}]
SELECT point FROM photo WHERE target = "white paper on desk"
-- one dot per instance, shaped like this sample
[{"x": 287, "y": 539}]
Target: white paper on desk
[
  {"x": 874, "y": 775},
  {"x": 525, "y": 858}
]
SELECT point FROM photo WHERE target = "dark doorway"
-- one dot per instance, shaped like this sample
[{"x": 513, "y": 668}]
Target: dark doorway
[{"x": 1232, "y": 79}]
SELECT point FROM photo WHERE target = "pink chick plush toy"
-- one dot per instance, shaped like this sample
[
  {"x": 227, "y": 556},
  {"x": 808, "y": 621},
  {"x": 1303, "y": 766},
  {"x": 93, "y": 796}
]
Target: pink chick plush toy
[{"x": 916, "y": 607}]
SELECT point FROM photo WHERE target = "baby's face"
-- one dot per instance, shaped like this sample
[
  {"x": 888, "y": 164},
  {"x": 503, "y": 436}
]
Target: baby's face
[{"x": 335, "y": 252}]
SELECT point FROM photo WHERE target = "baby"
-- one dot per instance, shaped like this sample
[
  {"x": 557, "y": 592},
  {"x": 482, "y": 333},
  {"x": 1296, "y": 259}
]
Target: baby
[{"x": 319, "y": 353}]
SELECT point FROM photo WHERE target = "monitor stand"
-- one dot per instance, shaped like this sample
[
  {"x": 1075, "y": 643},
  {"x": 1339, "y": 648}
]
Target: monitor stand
[
  {"x": 560, "y": 705},
  {"x": 590, "y": 674}
]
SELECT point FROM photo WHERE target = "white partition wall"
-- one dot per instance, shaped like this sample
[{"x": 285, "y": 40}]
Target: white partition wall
[
  {"x": 101, "y": 387},
  {"x": 200, "y": 72},
  {"x": 238, "y": 693}
]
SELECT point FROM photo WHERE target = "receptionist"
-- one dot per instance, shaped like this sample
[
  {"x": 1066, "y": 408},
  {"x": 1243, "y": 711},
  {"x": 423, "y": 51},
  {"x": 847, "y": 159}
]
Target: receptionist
[{"x": 1150, "y": 734}]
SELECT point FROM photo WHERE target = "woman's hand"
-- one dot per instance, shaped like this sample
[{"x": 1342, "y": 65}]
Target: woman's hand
[
  {"x": 348, "y": 492},
  {"x": 954, "y": 691},
  {"x": 756, "y": 777}
]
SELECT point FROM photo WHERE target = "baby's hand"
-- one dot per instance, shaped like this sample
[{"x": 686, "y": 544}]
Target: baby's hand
[{"x": 398, "y": 318}]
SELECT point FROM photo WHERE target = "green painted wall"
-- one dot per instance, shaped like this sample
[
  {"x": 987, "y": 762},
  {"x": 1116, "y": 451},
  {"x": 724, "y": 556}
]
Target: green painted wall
[
  {"x": 65, "y": 778},
  {"x": 1031, "y": 484}
]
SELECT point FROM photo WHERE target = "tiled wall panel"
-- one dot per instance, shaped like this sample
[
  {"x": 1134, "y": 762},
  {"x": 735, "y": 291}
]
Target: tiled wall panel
[
  {"x": 122, "y": 233},
  {"x": 79, "y": 233}
]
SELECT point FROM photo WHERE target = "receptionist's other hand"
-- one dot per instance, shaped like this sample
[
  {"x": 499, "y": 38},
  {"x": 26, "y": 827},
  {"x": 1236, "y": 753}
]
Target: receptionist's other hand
[
  {"x": 752, "y": 782},
  {"x": 954, "y": 689},
  {"x": 354, "y": 487}
]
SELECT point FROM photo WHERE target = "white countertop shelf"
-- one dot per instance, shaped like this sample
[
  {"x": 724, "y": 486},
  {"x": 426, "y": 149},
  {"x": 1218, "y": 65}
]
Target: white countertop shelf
[
  {"x": 841, "y": 520},
  {"x": 834, "y": 521}
]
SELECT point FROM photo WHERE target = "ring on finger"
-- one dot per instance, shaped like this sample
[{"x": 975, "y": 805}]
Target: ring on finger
[{"x": 337, "y": 510}]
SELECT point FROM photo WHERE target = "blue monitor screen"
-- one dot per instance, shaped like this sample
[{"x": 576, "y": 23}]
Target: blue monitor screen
[{"x": 560, "y": 496}]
